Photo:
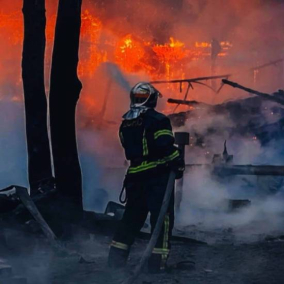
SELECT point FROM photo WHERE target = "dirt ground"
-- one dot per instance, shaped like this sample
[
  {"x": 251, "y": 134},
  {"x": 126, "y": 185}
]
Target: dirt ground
[{"x": 259, "y": 262}]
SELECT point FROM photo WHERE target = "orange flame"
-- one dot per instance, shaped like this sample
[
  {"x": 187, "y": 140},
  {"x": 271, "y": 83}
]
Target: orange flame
[
  {"x": 132, "y": 54},
  {"x": 12, "y": 26},
  {"x": 91, "y": 28},
  {"x": 128, "y": 54}
]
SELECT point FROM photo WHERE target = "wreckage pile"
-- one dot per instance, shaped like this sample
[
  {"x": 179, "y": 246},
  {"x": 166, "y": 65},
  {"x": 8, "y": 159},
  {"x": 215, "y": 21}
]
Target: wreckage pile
[{"x": 250, "y": 118}]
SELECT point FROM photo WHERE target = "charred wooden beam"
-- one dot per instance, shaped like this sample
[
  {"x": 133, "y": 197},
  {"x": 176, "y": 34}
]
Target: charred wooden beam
[
  {"x": 241, "y": 169},
  {"x": 188, "y": 103},
  {"x": 251, "y": 91},
  {"x": 39, "y": 161},
  {"x": 192, "y": 80},
  {"x": 274, "y": 62},
  {"x": 65, "y": 88}
]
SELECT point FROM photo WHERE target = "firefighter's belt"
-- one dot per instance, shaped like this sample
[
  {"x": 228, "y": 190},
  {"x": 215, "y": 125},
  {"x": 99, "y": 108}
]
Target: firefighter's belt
[{"x": 146, "y": 165}]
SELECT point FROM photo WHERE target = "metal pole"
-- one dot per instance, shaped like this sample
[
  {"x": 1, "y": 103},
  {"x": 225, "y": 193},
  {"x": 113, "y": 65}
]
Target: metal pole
[{"x": 181, "y": 139}]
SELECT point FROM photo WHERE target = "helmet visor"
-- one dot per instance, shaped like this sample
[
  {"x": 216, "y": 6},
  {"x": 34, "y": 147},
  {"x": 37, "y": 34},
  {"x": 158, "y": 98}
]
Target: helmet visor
[
  {"x": 143, "y": 94},
  {"x": 140, "y": 98}
]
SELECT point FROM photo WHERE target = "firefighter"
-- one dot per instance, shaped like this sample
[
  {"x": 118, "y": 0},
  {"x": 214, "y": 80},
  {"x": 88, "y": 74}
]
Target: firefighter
[{"x": 147, "y": 138}]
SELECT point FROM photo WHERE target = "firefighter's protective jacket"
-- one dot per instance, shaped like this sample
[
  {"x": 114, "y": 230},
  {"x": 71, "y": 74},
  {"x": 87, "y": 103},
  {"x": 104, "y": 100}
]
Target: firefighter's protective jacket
[{"x": 148, "y": 142}]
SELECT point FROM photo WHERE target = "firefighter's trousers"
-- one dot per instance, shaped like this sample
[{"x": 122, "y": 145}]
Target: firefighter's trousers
[{"x": 144, "y": 196}]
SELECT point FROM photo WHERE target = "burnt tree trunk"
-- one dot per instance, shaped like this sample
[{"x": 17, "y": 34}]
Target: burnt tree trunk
[
  {"x": 39, "y": 161},
  {"x": 65, "y": 89}
]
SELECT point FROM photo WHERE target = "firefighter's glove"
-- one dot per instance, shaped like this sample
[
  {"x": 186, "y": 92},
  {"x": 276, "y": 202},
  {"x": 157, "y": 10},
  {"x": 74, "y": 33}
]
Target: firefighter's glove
[{"x": 178, "y": 166}]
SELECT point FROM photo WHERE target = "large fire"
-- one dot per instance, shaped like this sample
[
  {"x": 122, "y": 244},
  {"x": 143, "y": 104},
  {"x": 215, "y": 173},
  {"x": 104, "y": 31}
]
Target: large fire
[
  {"x": 131, "y": 53},
  {"x": 169, "y": 54}
]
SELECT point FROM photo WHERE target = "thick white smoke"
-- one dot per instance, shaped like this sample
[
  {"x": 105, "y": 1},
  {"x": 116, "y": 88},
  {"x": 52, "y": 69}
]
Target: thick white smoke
[
  {"x": 13, "y": 158},
  {"x": 206, "y": 196}
]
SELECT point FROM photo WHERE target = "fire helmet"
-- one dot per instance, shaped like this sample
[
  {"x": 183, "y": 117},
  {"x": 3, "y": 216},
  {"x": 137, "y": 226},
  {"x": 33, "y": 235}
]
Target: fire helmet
[{"x": 144, "y": 94}]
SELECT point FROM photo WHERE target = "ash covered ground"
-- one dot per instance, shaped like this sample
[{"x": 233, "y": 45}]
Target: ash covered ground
[{"x": 221, "y": 261}]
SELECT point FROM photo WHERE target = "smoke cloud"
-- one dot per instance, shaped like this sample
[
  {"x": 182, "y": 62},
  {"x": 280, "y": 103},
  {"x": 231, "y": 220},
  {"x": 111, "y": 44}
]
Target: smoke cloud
[{"x": 205, "y": 206}]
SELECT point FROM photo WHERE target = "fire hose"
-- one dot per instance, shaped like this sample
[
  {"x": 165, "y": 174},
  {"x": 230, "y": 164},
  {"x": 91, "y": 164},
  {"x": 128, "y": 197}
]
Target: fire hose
[
  {"x": 164, "y": 208},
  {"x": 181, "y": 139}
]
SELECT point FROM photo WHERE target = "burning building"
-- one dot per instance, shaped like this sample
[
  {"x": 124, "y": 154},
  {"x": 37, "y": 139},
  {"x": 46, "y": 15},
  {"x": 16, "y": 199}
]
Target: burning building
[{"x": 123, "y": 42}]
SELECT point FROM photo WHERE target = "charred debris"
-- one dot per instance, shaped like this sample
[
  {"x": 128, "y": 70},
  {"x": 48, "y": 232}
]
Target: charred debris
[{"x": 247, "y": 116}]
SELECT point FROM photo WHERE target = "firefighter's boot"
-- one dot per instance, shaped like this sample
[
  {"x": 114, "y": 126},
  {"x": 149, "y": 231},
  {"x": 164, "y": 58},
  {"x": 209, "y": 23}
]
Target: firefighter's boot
[
  {"x": 156, "y": 263},
  {"x": 117, "y": 258}
]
